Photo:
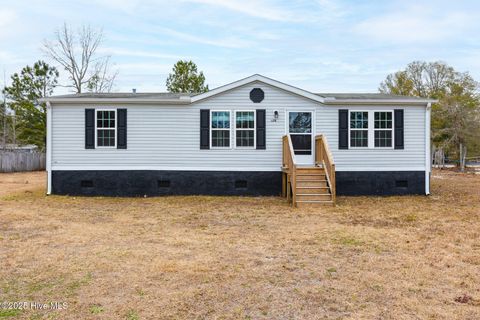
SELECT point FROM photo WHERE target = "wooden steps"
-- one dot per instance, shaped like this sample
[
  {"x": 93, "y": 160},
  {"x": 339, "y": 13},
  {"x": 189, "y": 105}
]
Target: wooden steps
[
  {"x": 308, "y": 185},
  {"x": 312, "y": 187}
]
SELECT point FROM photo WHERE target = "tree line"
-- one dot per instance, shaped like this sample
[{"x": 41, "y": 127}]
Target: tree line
[
  {"x": 74, "y": 52},
  {"x": 455, "y": 117}
]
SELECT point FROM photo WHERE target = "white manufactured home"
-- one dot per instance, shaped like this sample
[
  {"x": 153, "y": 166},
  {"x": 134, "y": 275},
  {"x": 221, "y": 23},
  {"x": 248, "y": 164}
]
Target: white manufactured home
[{"x": 255, "y": 136}]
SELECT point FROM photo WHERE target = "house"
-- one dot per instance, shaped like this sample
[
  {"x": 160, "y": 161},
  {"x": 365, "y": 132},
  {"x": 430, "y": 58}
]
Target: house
[{"x": 255, "y": 136}]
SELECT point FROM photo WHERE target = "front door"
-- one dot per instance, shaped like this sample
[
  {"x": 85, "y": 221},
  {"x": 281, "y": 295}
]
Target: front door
[{"x": 300, "y": 128}]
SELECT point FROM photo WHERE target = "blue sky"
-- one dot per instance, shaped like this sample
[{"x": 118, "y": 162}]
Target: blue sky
[{"x": 321, "y": 46}]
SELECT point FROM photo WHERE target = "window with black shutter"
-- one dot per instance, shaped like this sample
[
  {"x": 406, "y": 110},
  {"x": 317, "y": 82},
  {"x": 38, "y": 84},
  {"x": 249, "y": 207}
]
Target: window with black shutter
[
  {"x": 204, "y": 129},
  {"x": 399, "y": 129},
  {"x": 122, "y": 129},
  {"x": 342, "y": 129},
  {"x": 89, "y": 128},
  {"x": 261, "y": 129}
]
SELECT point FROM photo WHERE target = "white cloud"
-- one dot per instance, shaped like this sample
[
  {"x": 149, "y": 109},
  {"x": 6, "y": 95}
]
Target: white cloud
[
  {"x": 7, "y": 20},
  {"x": 137, "y": 53},
  {"x": 416, "y": 24},
  {"x": 227, "y": 42},
  {"x": 258, "y": 9}
]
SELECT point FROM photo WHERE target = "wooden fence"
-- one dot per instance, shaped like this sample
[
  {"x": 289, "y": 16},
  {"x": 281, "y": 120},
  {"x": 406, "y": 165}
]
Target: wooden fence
[{"x": 15, "y": 161}]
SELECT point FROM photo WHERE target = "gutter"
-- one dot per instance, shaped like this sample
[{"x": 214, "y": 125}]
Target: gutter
[
  {"x": 116, "y": 100},
  {"x": 49, "y": 148},
  {"x": 333, "y": 101},
  {"x": 428, "y": 161}
]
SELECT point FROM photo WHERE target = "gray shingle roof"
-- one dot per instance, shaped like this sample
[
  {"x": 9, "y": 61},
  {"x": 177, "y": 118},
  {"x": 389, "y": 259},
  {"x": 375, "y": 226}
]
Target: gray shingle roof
[
  {"x": 123, "y": 95},
  {"x": 168, "y": 95},
  {"x": 368, "y": 96}
]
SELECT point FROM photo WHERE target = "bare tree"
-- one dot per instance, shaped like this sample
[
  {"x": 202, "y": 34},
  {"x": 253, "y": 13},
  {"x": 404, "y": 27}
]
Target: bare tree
[
  {"x": 77, "y": 54},
  {"x": 102, "y": 79}
]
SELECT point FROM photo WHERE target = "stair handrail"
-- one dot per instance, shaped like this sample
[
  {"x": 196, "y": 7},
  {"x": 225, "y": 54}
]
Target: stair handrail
[
  {"x": 324, "y": 157},
  {"x": 289, "y": 164}
]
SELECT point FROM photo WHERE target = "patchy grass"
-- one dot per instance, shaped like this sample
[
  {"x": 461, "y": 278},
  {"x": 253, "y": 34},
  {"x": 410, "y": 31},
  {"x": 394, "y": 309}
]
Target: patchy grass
[
  {"x": 8, "y": 313},
  {"x": 233, "y": 257},
  {"x": 96, "y": 309}
]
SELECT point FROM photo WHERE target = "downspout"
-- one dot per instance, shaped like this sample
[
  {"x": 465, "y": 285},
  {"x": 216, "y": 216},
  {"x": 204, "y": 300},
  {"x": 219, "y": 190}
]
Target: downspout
[
  {"x": 428, "y": 162},
  {"x": 49, "y": 148}
]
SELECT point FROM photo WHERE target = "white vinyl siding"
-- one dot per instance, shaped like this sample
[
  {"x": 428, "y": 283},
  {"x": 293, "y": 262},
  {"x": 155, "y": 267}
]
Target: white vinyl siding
[
  {"x": 411, "y": 158},
  {"x": 167, "y": 137}
]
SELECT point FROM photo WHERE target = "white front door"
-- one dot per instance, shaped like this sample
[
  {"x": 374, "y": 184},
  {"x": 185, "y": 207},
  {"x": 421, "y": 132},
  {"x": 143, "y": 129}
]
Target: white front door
[{"x": 300, "y": 126}]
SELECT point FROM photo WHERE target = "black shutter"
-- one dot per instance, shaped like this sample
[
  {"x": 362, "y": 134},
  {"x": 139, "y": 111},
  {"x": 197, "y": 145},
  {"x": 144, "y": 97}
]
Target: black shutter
[
  {"x": 89, "y": 128},
  {"x": 121, "y": 128},
  {"x": 204, "y": 129},
  {"x": 261, "y": 132},
  {"x": 343, "y": 129},
  {"x": 399, "y": 131}
]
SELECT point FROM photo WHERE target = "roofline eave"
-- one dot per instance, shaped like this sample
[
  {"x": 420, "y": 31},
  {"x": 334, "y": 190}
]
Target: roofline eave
[
  {"x": 378, "y": 101},
  {"x": 182, "y": 101}
]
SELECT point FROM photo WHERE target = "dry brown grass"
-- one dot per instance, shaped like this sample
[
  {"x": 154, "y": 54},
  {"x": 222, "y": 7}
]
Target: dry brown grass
[{"x": 409, "y": 257}]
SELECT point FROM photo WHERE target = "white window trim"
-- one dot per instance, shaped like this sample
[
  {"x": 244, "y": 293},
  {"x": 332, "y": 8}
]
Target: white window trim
[
  {"x": 246, "y": 129},
  {"x": 224, "y": 129},
  {"x": 383, "y": 129},
  {"x": 369, "y": 134},
  {"x": 371, "y": 129},
  {"x": 114, "y": 129}
]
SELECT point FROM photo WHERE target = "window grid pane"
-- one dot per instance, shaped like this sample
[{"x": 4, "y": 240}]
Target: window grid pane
[
  {"x": 383, "y": 120},
  {"x": 106, "y": 119},
  {"x": 358, "y": 120},
  {"x": 220, "y": 119},
  {"x": 106, "y": 128},
  {"x": 359, "y": 138},
  {"x": 106, "y": 138},
  {"x": 245, "y": 120},
  {"x": 245, "y": 138},
  {"x": 220, "y": 138},
  {"x": 383, "y": 138}
]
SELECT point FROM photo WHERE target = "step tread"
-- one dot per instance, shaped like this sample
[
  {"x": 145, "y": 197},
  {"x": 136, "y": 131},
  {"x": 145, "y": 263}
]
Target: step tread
[
  {"x": 313, "y": 187},
  {"x": 314, "y": 194},
  {"x": 314, "y": 201}
]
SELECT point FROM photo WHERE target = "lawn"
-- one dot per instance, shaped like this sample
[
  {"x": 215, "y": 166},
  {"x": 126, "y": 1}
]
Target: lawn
[{"x": 410, "y": 257}]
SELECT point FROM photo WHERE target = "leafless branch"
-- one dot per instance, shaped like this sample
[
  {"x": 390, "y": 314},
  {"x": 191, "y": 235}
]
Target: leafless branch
[{"x": 76, "y": 53}]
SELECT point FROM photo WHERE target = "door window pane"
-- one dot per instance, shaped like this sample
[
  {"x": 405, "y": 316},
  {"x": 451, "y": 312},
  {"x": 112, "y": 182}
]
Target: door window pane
[{"x": 300, "y": 122}]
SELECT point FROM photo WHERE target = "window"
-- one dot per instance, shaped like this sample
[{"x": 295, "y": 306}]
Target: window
[
  {"x": 106, "y": 128},
  {"x": 358, "y": 129},
  {"x": 245, "y": 128},
  {"x": 220, "y": 129},
  {"x": 383, "y": 129},
  {"x": 300, "y": 122}
]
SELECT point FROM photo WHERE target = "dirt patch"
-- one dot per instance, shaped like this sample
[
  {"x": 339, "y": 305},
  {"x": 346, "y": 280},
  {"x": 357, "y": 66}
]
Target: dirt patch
[
  {"x": 243, "y": 257},
  {"x": 21, "y": 181}
]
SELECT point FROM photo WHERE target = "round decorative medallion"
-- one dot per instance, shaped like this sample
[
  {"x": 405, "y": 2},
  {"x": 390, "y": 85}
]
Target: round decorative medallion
[{"x": 257, "y": 95}]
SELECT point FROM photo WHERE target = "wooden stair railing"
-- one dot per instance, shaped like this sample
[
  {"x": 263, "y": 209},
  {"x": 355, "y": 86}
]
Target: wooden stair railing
[
  {"x": 308, "y": 185},
  {"x": 289, "y": 167},
  {"x": 324, "y": 158}
]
